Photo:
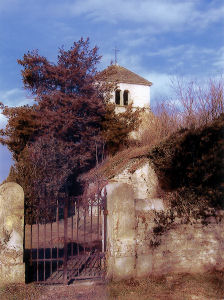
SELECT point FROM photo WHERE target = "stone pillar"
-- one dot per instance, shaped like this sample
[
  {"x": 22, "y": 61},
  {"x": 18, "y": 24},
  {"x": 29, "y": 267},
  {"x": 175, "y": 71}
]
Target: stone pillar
[
  {"x": 12, "y": 267},
  {"x": 121, "y": 222}
]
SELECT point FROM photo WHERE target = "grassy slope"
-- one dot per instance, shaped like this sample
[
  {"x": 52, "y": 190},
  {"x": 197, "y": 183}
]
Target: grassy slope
[
  {"x": 192, "y": 161},
  {"x": 189, "y": 163}
]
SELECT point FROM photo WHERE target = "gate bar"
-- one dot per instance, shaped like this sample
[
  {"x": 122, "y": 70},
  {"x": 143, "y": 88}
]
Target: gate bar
[{"x": 65, "y": 275}]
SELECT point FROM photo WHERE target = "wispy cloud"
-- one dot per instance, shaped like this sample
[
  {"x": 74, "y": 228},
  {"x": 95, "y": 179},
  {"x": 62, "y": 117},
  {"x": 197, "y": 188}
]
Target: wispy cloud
[
  {"x": 186, "y": 58},
  {"x": 161, "y": 88},
  {"x": 157, "y": 16},
  {"x": 219, "y": 60},
  {"x": 163, "y": 15},
  {"x": 167, "y": 51},
  {"x": 212, "y": 15},
  {"x": 131, "y": 60},
  {"x": 14, "y": 97},
  {"x": 184, "y": 52},
  {"x": 141, "y": 11},
  {"x": 3, "y": 121},
  {"x": 136, "y": 41}
]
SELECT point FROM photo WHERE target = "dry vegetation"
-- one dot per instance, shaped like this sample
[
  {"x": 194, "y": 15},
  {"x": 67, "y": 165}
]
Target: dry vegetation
[
  {"x": 115, "y": 164},
  {"x": 185, "y": 131},
  {"x": 195, "y": 105},
  {"x": 208, "y": 286}
]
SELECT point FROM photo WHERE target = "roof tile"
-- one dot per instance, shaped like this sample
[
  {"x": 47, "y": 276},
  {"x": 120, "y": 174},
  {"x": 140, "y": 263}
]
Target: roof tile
[{"x": 116, "y": 73}]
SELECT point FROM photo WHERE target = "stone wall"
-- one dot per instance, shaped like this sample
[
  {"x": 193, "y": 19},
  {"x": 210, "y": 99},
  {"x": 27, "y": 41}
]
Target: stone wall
[
  {"x": 12, "y": 267},
  {"x": 185, "y": 248},
  {"x": 131, "y": 248}
]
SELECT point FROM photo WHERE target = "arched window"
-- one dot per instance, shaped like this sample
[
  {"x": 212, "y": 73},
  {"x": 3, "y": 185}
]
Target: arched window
[
  {"x": 118, "y": 97},
  {"x": 125, "y": 97}
]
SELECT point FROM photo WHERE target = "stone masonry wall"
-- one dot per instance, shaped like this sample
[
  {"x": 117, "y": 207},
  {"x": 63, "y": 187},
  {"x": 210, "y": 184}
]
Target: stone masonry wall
[
  {"x": 131, "y": 253},
  {"x": 12, "y": 268},
  {"x": 185, "y": 248}
]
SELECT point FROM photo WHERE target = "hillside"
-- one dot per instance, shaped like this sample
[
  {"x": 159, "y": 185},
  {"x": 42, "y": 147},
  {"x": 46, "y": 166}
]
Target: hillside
[
  {"x": 189, "y": 165},
  {"x": 191, "y": 162}
]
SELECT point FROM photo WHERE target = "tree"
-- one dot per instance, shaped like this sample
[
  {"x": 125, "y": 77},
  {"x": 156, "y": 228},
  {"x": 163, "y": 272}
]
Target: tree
[
  {"x": 116, "y": 127},
  {"x": 158, "y": 124},
  {"x": 55, "y": 139},
  {"x": 65, "y": 131},
  {"x": 195, "y": 105},
  {"x": 21, "y": 127},
  {"x": 199, "y": 104}
]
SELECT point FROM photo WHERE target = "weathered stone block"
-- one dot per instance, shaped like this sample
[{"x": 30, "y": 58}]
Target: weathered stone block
[
  {"x": 121, "y": 224},
  {"x": 144, "y": 265},
  {"x": 12, "y": 273},
  {"x": 124, "y": 267},
  {"x": 145, "y": 182},
  {"x": 12, "y": 268}
]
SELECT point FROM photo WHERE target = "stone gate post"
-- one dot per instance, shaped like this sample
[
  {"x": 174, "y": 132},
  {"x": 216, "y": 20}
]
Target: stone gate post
[
  {"x": 12, "y": 267},
  {"x": 121, "y": 231}
]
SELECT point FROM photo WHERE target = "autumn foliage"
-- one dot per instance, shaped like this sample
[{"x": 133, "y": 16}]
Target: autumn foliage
[
  {"x": 70, "y": 127},
  {"x": 22, "y": 124}
]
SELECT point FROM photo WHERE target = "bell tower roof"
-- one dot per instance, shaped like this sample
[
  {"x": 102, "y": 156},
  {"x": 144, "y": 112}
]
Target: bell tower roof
[{"x": 116, "y": 73}]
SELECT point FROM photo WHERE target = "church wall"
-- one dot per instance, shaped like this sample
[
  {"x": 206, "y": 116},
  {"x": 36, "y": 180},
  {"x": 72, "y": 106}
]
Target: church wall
[{"x": 139, "y": 94}]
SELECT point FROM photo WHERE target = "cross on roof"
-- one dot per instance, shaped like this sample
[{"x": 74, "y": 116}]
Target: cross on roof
[{"x": 115, "y": 54}]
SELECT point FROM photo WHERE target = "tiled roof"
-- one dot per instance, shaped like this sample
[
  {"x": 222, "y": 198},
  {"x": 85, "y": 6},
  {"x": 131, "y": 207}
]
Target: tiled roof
[{"x": 120, "y": 74}]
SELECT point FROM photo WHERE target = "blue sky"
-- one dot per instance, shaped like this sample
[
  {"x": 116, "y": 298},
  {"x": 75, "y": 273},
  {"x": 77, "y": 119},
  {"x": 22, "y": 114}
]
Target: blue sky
[{"x": 158, "y": 39}]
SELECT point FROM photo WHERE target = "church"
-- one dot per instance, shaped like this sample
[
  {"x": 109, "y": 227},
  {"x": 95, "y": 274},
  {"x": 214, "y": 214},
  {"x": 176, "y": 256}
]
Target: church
[{"x": 130, "y": 88}]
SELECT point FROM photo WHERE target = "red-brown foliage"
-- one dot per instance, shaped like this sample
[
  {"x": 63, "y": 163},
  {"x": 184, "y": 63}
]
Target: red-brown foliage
[{"x": 60, "y": 133}]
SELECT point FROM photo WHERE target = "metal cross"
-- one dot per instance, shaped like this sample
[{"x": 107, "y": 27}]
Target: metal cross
[{"x": 115, "y": 54}]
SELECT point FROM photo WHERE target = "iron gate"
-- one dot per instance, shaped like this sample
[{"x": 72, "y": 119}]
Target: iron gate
[{"x": 66, "y": 242}]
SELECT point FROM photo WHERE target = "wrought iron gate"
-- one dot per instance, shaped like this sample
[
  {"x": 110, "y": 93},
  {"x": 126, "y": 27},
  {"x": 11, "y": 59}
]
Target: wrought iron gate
[{"x": 66, "y": 242}]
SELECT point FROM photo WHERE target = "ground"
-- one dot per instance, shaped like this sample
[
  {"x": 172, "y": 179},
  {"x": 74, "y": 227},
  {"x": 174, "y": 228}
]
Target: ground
[{"x": 208, "y": 286}]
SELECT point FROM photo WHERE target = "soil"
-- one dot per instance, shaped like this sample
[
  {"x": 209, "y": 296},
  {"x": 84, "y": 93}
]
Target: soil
[
  {"x": 207, "y": 286},
  {"x": 78, "y": 291}
]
